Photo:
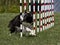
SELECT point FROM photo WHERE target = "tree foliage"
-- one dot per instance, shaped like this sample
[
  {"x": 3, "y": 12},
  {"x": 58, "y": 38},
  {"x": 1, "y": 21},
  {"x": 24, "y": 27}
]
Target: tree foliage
[{"x": 9, "y": 4}]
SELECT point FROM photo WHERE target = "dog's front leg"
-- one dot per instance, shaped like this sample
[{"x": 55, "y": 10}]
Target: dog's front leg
[{"x": 32, "y": 32}]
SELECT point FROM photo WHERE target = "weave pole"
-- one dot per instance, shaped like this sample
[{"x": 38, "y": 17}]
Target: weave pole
[
  {"x": 21, "y": 27},
  {"x": 20, "y": 6},
  {"x": 25, "y": 5},
  {"x": 38, "y": 16},
  {"x": 52, "y": 12},
  {"x": 41, "y": 16},
  {"x": 47, "y": 14},
  {"x": 44, "y": 18},
  {"x": 34, "y": 18},
  {"x": 29, "y": 5}
]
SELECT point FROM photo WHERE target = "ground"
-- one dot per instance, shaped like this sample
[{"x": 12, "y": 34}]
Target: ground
[{"x": 47, "y": 37}]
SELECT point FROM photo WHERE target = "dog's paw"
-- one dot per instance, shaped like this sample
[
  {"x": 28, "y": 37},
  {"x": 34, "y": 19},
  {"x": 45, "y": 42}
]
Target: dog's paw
[{"x": 32, "y": 34}]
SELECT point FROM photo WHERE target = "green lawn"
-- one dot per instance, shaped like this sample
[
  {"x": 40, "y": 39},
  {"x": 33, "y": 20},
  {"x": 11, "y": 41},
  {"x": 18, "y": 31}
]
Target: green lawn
[{"x": 47, "y": 37}]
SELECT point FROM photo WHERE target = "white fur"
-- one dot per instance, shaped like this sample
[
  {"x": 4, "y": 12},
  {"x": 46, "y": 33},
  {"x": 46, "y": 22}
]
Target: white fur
[
  {"x": 21, "y": 17},
  {"x": 28, "y": 29},
  {"x": 24, "y": 29}
]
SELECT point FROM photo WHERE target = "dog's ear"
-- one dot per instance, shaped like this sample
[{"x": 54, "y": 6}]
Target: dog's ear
[
  {"x": 20, "y": 13},
  {"x": 25, "y": 11}
]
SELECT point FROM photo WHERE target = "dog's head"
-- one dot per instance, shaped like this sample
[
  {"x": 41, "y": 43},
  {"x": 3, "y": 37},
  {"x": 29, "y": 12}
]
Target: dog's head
[
  {"x": 15, "y": 22},
  {"x": 28, "y": 17}
]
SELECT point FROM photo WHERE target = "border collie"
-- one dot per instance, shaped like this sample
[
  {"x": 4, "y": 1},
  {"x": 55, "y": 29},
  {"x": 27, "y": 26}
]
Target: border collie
[{"x": 16, "y": 24}]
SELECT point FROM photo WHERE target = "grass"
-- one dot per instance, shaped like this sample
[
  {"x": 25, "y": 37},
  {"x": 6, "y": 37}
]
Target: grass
[{"x": 47, "y": 37}]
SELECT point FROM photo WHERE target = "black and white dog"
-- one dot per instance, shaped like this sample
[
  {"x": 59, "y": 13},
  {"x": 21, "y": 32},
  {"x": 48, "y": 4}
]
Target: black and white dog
[{"x": 15, "y": 25}]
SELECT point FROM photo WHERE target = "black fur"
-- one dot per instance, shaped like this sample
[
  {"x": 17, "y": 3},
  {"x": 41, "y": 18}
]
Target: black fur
[
  {"x": 14, "y": 22},
  {"x": 28, "y": 18}
]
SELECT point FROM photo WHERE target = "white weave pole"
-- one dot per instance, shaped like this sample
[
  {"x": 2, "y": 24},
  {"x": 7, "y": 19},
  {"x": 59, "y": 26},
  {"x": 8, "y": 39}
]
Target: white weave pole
[
  {"x": 38, "y": 17},
  {"x": 48, "y": 13},
  {"x": 52, "y": 12},
  {"x": 49, "y": 7},
  {"x": 29, "y": 5},
  {"x": 20, "y": 6},
  {"x": 21, "y": 12},
  {"x": 45, "y": 15},
  {"x": 34, "y": 18},
  {"x": 25, "y": 5},
  {"x": 41, "y": 16}
]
